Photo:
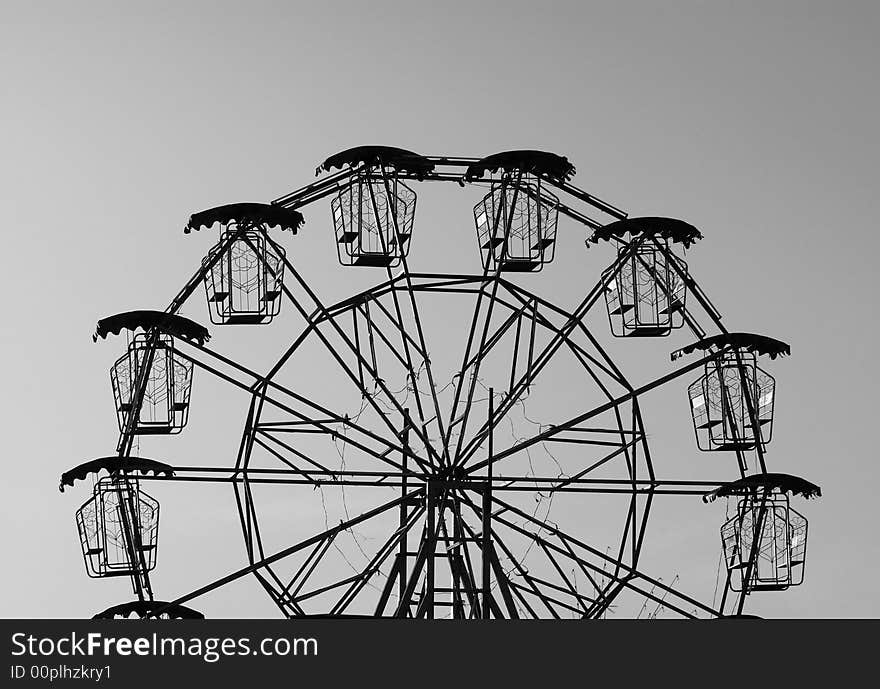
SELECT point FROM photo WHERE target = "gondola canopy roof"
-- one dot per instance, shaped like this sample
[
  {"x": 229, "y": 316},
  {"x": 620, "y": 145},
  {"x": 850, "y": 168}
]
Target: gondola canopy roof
[
  {"x": 398, "y": 158},
  {"x": 784, "y": 483},
  {"x": 671, "y": 229},
  {"x": 265, "y": 214},
  {"x": 168, "y": 323},
  {"x": 749, "y": 342},
  {"x": 145, "y": 608},
  {"x": 538, "y": 163},
  {"x": 113, "y": 465}
]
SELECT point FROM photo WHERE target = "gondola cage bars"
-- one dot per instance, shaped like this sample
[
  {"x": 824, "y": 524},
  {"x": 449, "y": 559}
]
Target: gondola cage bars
[
  {"x": 118, "y": 529},
  {"x": 771, "y": 535},
  {"x": 732, "y": 403},
  {"x": 244, "y": 271},
  {"x": 374, "y": 210},
  {"x": 764, "y": 544},
  {"x": 151, "y": 377},
  {"x": 646, "y": 287},
  {"x": 164, "y": 408},
  {"x": 722, "y": 400},
  {"x": 244, "y": 285},
  {"x": 516, "y": 221}
]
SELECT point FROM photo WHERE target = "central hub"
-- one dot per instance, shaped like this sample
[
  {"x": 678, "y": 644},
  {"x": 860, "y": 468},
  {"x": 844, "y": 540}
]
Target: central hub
[
  {"x": 451, "y": 474},
  {"x": 449, "y": 479}
]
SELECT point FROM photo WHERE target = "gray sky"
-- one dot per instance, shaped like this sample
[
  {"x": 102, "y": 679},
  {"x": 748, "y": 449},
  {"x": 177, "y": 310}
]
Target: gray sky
[{"x": 754, "y": 121}]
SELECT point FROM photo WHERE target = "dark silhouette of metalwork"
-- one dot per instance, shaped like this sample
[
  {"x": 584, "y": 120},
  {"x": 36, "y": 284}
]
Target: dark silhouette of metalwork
[
  {"x": 164, "y": 403},
  {"x": 243, "y": 285},
  {"x": 516, "y": 225},
  {"x": 732, "y": 403},
  {"x": 723, "y": 399},
  {"x": 645, "y": 288},
  {"x": 765, "y": 542},
  {"x": 118, "y": 529},
  {"x": 113, "y": 466},
  {"x": 243, "y": 288},
  {"x": 455, "y": 515},
  {"x": 143, "y": 609}
]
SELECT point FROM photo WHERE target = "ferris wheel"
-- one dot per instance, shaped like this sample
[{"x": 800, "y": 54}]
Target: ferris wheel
[{"x": 488, "y": 456}]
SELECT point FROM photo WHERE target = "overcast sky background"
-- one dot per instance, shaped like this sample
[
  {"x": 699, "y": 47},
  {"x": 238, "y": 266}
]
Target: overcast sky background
[{"x": 756, "y": 122}]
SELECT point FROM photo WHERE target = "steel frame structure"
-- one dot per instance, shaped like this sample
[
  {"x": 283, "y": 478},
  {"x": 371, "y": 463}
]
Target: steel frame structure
[{"x": 454, "y": 499}]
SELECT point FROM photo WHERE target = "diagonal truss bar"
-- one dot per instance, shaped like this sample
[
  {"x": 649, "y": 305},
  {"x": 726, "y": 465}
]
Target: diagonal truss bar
[
  {"x": 555, "y": 430},
  {"x": 546, "y": 354},
  {"x": 349, "y": 345},
  {"x": 319, "y": 424},
  {"x": 630, "y": 571},
  {"x": 376, "y": 562},
  {"x": 281, "y": 554},
  {"x": 495, "y": 282}
]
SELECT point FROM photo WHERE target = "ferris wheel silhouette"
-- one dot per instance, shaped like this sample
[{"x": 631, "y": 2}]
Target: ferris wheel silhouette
[{"x": 461, "y": 536}]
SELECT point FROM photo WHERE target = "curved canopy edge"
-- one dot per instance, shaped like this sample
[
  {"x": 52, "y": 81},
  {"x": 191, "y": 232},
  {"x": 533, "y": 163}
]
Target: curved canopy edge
[
  {"x": 785, "y": 483},
  {"x": 169, "y": 323},
  {"x": 539, "y": 163},
  {"x": 398, "y": 158},
  {"x": 750, "y": 342},
  {"x": 143, "y": 608},
  {"x": 113, "y": 465},
  {"x": 668, "y": 228},
  {"x": 250, "y": 213}
]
